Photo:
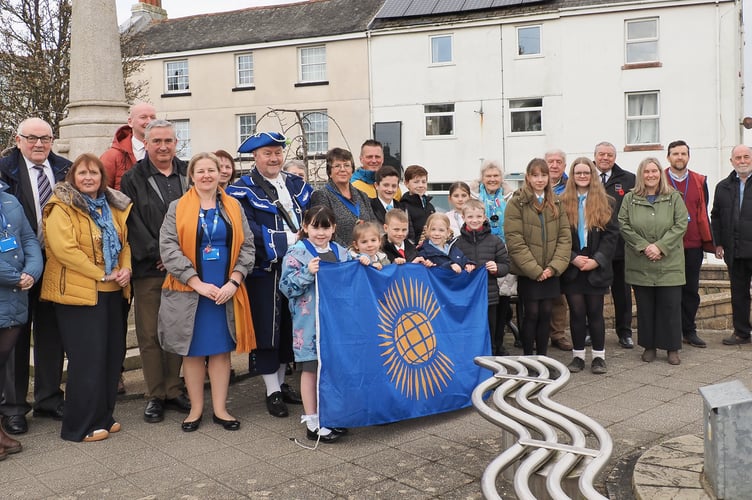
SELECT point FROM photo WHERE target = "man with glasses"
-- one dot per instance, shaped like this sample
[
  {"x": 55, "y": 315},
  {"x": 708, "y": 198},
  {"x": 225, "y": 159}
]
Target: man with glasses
[
  {"x": 31, "y": 169},
  {"x": 152, "y": 184}
]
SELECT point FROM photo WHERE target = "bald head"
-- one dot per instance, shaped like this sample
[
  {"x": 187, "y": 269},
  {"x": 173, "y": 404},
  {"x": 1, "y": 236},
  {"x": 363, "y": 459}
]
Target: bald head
[
  {"x": 34, "y": 139},
  {"x": 139, "y": 117}
]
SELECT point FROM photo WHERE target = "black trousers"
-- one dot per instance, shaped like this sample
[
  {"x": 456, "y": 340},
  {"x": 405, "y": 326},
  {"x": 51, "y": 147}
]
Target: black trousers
[
  {"x": 94, "y": 340},
  {"x": 690, "y": 301},
  {"x": 659, "y": 317},
  {"x": 272, "y": 321},
  {"x": 48, "y": 361},
  {"x": 621, "y": 294},
  {"x": 740, "y": 273}
]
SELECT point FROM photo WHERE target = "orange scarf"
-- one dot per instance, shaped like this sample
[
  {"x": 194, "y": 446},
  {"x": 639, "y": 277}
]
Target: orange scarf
[{"x": 185, "y": 218}]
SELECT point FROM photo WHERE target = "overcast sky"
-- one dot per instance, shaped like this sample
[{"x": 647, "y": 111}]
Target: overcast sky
[{"x": 182, "y": 8}]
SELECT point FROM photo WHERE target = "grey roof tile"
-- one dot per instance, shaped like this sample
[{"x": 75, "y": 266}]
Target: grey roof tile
[{"x": 259, "y": 25}]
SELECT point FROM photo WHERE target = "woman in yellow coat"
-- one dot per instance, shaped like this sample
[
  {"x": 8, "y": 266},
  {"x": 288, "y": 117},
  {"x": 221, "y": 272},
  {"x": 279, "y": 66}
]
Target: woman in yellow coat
[{"x": 86, "y": 277}]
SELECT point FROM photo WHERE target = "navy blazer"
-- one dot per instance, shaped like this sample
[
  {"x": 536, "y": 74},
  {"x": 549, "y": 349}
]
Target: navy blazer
[{"x": 15, "y": 173}]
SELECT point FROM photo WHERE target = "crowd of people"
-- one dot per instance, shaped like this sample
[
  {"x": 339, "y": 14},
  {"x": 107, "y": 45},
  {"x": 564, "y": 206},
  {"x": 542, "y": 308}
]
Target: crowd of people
[{"x": 214, "y": 263}]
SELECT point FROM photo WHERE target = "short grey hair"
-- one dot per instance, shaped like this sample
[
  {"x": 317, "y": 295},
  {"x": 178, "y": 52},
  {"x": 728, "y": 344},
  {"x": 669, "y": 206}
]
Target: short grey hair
[
  {"x": 158, "y": 124},
  {"x": 294, "y": 163},
  {"x": 19, "y": 130},
  {"x": 488, "y": 165},
  {"x": 604, "y": 143},
  {"x": 555, "y": 152}
]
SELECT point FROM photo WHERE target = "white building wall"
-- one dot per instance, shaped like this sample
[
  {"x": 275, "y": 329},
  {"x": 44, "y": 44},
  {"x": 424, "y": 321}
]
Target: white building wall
[{"x": 580, "y": 78}]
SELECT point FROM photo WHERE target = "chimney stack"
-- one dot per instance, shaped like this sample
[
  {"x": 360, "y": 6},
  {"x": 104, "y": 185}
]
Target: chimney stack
[{"x": 144, "y": 13}]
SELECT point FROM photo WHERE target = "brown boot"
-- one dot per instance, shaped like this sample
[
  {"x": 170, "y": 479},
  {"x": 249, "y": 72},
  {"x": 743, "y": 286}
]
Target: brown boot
[
  {"x": 8, "y": 444},
  {"x": 673, "y": 358}
]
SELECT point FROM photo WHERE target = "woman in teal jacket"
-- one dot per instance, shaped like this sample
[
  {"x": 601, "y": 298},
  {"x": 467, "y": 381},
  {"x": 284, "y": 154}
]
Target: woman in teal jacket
[{"x": 653, "y": 221}]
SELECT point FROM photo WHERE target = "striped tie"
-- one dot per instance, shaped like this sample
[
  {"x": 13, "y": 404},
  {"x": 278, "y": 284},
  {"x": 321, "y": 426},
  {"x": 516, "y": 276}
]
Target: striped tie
[{"x": 43, "y": 186}]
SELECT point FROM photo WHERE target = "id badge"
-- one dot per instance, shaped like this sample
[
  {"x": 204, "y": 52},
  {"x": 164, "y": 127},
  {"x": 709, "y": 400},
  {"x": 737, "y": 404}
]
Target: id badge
[
  {"x": 211, "y": 254},
  {"x": 8, "y": 243}
]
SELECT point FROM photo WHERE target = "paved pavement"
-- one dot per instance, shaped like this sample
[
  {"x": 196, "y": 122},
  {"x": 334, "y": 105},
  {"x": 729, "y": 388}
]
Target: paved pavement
[{"x": 442, "y": 456}]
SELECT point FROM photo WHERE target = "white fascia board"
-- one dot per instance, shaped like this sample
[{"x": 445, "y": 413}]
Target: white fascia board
[{"x": 253, "y": 46}]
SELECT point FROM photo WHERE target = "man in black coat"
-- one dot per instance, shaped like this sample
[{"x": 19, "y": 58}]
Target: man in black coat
[
  {"x": 29, "y": 169},
  {"x": 152, "y": 184},
  {"x": 731, "y": 222},
  {"x": 617, "y": 182}
]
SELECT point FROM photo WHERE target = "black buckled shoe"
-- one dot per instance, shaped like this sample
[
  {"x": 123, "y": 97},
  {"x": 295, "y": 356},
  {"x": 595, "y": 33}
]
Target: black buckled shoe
[
  {"x": 290, "y": 396},
  {"x": 15, "y": 424},
  {"x": 276, "y": 405},
  {"x": 154, "y": 411},
  {"x": 326, "y": 438}
]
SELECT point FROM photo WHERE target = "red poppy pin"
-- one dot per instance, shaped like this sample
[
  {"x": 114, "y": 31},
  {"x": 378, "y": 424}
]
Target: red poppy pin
[{"x": 619, "y": 189}]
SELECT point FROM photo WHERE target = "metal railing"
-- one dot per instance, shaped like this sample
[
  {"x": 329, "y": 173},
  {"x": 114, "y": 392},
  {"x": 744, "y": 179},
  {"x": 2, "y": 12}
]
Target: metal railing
[{"x": 547, "y": 442}]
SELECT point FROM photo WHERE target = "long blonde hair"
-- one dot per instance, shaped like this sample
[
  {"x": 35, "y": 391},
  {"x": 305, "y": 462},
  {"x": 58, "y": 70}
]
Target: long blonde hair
[
  {"x": 433, "y": 218},
  {"x": 598, "y": 209},
  {"x": 663, "y": 186}
]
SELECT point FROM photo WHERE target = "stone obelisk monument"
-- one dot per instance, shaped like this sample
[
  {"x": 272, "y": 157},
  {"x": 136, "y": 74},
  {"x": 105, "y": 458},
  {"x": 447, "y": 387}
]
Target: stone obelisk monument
[{"x": 97, "y": 95}]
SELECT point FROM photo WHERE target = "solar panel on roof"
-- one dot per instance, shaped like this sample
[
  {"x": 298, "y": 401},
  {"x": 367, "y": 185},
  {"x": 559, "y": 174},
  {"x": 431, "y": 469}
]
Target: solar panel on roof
[
  {"x": 477, "y": 4},
  {"x": 443, "y": 6},
  {"x": 406, "y": 8},
  {"x": 393, "y": 8},
  {"x": 421, "y": 7}
]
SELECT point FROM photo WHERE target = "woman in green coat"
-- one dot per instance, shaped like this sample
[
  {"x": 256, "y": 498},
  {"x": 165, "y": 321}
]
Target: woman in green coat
[
  {"x": 539, "y": 243},
  {"x": 653, "y": 221}
]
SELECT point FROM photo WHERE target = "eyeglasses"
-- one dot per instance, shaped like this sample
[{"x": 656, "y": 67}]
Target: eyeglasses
[
  {"x": 341, "y": 167},
  {"x": 32, "y": 139}
]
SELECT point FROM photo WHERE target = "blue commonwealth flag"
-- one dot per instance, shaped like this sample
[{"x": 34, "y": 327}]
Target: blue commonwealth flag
[{"x": 398, "y": 343}]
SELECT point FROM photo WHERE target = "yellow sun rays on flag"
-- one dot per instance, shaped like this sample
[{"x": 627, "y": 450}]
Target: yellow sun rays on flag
[{"x": 415, "y": 365}]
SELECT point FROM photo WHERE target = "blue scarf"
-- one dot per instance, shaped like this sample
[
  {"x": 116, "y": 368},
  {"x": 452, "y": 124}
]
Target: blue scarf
[
  {"x": 110, "y": 242},
  {"x": 367, "y": 176},
  {"x": 495, "y": 206}
]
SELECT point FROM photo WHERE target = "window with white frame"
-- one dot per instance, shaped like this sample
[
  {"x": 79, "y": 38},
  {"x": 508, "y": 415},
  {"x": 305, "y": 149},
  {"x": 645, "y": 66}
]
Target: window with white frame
[
  {"x": 183, "y": 133},
  {"x": 312, "y": 64},
  {"x": 641, "y": 43},
  {"x": 526, "y": 115},
  {"x": 244, "y": 63},
  {"x": 246, "y": 126},
  {"x": 441, "y": 49},
  {"x": 643, "y": 118},
  {"x": 528, "y": 40},
  {"x": 439, "y": 119},
  {"x": 316, "y": 129},
  {"x": 176, "y": 76}
]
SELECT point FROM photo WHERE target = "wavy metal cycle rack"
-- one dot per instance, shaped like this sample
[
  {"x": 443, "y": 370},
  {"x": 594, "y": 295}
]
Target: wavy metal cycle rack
[{"x": 546, "y": 466}]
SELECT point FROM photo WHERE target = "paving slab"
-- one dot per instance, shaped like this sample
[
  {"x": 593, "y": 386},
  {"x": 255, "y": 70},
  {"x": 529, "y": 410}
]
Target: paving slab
[{"x": 642, "y": 405}]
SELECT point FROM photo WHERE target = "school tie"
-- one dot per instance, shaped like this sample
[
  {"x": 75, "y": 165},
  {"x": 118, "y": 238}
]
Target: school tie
[
  {"x": 540, "y": 199},
  {"x": 389, "y": 207},
  {"x": 43, "y": 186},
  {"x": 401, "y": 252},
  {"x": 603, "y": 178},
  {"x": 581, "y": 220}
]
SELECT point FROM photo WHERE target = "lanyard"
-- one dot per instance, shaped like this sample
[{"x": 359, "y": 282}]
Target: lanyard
[
  {"x": 352, "y": 207},
  {"x": 686, "y": 186},
  {"x": 213, "y": 229},
  {"x": 315, "y": 253}
]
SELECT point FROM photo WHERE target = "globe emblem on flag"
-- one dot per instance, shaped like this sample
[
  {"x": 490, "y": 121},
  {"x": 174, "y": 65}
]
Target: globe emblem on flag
[
  {"x": 410, "y": 346},
  {"x": 414, "y": 338}
]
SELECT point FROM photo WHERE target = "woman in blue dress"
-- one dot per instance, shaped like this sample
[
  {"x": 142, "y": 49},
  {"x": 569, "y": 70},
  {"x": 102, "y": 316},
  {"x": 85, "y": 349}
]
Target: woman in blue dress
[{"x": 207, "y": 249}]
